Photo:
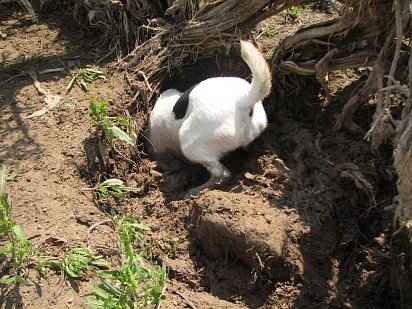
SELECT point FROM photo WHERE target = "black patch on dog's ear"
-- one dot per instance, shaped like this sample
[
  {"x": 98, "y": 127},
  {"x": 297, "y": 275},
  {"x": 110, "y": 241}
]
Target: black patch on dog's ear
[{"x": 181, "y": 105}]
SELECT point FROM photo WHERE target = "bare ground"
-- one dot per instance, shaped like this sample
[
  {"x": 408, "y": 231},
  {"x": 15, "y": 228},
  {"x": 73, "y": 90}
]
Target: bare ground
[{"x": 297, "y": 225}]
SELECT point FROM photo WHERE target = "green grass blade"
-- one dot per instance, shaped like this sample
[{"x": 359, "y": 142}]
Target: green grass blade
[
  {"x": 122, "y": 135},
  {"x": 71, "y": 83}
]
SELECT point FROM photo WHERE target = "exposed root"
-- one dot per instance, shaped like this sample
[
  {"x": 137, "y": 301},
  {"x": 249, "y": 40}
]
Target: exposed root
[
  {"x": 380, "y": 128},
  {"x": 323, "y": 68},
  {"x": 403, "y": 162},
  {"x": 351, "y": 171}
]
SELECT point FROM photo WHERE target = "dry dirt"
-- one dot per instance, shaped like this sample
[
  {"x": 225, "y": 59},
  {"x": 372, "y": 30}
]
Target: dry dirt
[{"x": 296, "y": 226}]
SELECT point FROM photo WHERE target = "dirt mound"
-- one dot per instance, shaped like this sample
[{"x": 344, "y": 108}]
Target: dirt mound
[{"x": 249, "y": 229}]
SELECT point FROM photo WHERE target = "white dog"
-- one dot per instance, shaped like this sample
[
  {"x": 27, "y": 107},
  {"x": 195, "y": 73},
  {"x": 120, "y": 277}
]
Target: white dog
[{"x": 213, "y": 117}]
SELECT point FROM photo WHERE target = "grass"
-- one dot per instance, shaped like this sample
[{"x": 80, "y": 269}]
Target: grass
[
  {"x": 99, "y": 114},
  {"x": 85, "y": 76},
  {"x": 137, "y": 282}
]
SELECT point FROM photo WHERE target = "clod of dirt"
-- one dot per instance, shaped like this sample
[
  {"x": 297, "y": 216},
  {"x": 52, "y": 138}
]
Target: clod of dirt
[{"x": 248, "y": 229}]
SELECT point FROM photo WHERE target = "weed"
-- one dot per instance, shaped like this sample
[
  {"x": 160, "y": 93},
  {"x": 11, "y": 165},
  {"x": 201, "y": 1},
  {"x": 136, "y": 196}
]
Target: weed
[
  {"x": 77, "y": 260},
  {"x": 18, "y": 246},
  {"x": 268, "y": 31},
  {"x": 137, "y": 283},
  {"x": 293, "y": 11},
  {"x": 84, "y": 76},
  {"x": 114, "y": 187},
  {"x": 98, "y": 112}
]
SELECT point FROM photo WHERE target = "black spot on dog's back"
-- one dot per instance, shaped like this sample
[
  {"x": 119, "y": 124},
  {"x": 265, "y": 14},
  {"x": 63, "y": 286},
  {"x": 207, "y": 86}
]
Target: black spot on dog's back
[{"x": 182, "y": 103}]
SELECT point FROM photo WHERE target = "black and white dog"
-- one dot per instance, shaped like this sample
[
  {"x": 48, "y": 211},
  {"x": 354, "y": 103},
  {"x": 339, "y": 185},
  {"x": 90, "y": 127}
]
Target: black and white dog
[{"x": 213, "y": 117}]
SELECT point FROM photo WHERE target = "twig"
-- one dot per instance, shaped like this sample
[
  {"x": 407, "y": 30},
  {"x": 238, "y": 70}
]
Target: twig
[
  {"x": 261, "y": 264},
  {"x": 146, "y": 81},
  {"x": 13, "y": 77},
  {"x": 382, "y": 107},
  {"x": 189, "y": 303},
  {"x": 52, "y": 70},
  {"x": 60, "y": 284},
  {"x": 90, "y": 229},
  {"x": 398, "y": 87}
]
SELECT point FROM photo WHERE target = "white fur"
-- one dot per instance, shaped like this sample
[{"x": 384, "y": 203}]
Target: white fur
[{"x": 217, "y": 120}]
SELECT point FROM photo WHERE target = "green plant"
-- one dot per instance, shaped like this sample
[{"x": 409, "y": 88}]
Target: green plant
[
  {"x": 77, "y": 260},
  {"x": 18, "y": 246},
  {"x": 293, "y": 11},
  {"x": 137, "y": 283},
  {"x": 268, "y": 31},
  {"x": 115, "y": 187},
  {"x": 98, "y": 113},
  {"x": 84, "y": 76}
]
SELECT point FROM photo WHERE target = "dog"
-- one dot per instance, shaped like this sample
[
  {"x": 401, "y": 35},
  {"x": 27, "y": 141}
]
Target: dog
[{"x": 212, "y": 118}]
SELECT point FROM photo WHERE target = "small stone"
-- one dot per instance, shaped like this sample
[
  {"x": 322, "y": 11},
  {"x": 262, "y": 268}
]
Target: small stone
[{"x": 3, "y": 35}]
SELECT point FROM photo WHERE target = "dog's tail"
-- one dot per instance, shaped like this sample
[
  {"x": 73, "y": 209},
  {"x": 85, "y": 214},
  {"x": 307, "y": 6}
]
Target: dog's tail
[{"x": 261, "y": 77}]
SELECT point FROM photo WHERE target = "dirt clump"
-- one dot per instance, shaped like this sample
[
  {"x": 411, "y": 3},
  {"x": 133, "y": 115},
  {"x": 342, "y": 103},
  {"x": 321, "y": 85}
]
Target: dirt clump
[{"x": 248, "y": 229}]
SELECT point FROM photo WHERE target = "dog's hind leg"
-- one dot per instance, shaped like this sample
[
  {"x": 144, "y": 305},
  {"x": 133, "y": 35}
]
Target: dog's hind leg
[{"x": 218, "y": 174}]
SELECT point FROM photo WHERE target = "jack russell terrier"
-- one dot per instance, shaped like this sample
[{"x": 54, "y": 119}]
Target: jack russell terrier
[{"x": 212, "y": 118}]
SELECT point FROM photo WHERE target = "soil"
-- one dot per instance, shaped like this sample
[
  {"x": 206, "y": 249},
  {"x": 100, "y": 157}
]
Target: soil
[{"x": 302, "y": 222}]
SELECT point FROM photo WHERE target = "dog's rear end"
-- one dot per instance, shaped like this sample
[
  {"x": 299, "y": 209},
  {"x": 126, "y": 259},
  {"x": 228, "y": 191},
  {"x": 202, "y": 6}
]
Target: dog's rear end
[
  {"x": 163, "y": 129},
  {"x": 222, "y": 114}
]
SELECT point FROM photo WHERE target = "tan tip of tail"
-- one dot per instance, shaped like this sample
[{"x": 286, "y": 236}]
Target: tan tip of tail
[{"x": 245, "y": 46}]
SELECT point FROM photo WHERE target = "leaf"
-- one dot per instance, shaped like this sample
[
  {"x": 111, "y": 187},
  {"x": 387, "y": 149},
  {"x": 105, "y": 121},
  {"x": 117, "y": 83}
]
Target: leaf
[
  {"x": 121, "y": 135},
  {"x": 18, "y": 233},
  {"x": 92, "y": 302},
  {"x": 110, "y": 288},
  {"x": 112, "y": 182},
  {"x": 3, "y": 182},
  {"x": 98, "y": 293},
  {"x": 6, "y": 249},
  {"x": 70, "y": 85},
  {"x": 83, "y": 84},
  {"x": 101, "y": 263},
  {"x": 22, "y": 281},
  {"x": 7, "y": 279},
  {"x": 11, "y": 177}
]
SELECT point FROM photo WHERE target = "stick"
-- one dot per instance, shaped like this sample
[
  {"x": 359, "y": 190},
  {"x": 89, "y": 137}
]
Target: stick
[
  {"x": 90, "y": 229},
  {"x": 189, "y": 303}
]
